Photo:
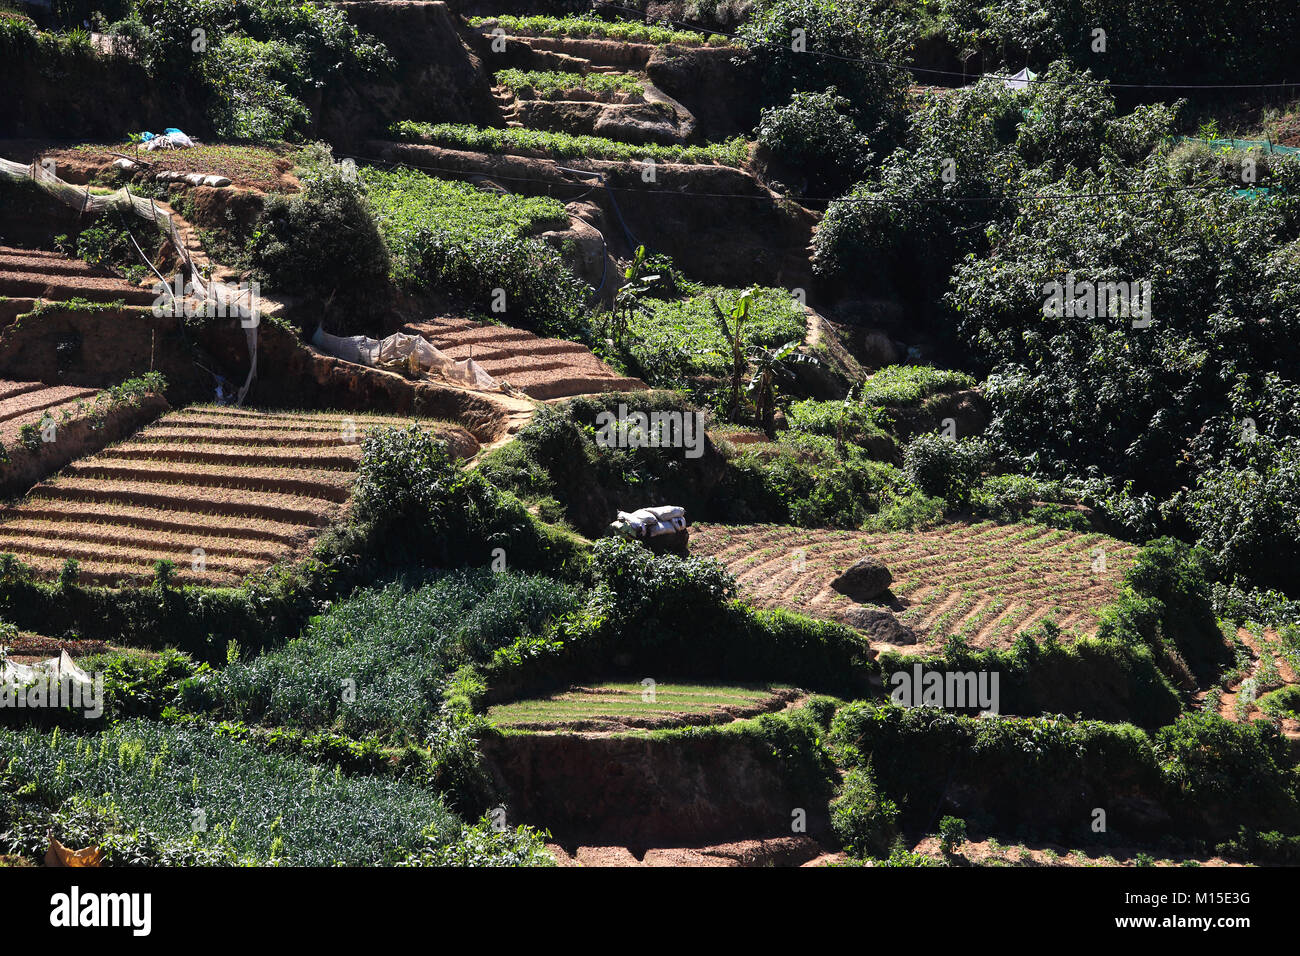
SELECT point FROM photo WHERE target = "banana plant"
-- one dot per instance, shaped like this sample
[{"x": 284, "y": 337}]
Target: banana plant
[
  {"x": 734, "y": 336},
  {"x": 771, "y": 366},
  {"x": 627, "y": 301}
]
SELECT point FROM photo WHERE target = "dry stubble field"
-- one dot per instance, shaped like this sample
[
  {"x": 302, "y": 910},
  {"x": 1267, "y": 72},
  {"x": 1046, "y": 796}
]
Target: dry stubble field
[
  {"x": 984, "y": 581},
  {"x": 247, "y": 488}
]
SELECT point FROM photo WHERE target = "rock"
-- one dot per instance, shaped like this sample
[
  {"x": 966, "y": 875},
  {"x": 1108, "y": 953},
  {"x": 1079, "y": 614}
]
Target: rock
[
  {"x": 878, "y": 350},
  {"x": 583, "y": 248},
  {"x": 637, "y": 123},
  {"x": 865, "y": 580},
  {"x": 879, "y": 625}
]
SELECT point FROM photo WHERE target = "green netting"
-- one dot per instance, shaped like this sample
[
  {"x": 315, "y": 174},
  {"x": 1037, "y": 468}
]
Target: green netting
[{"x": 1243, "y": 144}]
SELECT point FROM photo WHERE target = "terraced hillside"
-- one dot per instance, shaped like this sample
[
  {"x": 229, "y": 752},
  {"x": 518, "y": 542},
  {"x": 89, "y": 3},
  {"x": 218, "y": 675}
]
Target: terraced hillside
[
  {"x": 221, "y": 492},
  {"x": 619, "y": 707},
  {"x": 541, "y": 368},
  {"x": 25, "y": 403},
  {"x": 39, "y": 274},
  {"x": 985, "y": 581}
]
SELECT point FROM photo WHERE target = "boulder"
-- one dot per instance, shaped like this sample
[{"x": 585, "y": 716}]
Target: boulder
[
  {"x": 865, "y": 580},
  {"x": 879, "y": 625}
]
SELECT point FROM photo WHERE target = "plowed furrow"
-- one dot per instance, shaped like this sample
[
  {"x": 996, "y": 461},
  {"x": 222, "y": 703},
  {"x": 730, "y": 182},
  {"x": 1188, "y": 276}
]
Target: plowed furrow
[
  {"x": 344, "y": 458},
  {"x": 327, "y": 485},
  {"x": 13, "y": 532},
  {"x": 113, "y": 516},
  {"x": 227, "y": 501},
  {"x": 143, "y": 554},
  {"x": 274, "y": 438},
  {"x": 109, "y": 573}
]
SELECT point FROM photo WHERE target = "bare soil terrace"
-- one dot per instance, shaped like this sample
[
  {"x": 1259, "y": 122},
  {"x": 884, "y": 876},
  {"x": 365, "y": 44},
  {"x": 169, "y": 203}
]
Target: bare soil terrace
[
  {"x": 25, "y": 403},
  {"x": 541, "y": 368},
  {"x": 38, "y": 274},
  {"x": 985, "y": 581},
  {"x": 221, "y": 492}
]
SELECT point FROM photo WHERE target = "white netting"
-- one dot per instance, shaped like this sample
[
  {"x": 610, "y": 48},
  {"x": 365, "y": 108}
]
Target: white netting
[
  {"x": 83, "y": 200},
  {"x": 399, "y": 349}
]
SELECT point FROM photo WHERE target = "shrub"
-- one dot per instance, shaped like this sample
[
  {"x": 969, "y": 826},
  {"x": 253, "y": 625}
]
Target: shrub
[
  {"x": 322, "y": 242},
  {"x": 1165, "y": 604},
  {"x": 812, "y": 136},
  {"x": 255, "y": 91},
  {"x": 918, "y": 214},
  {"x": 865, "y": 821},
  {"x": 945, "y": 468},
  {"x": 1066, "y": 119},
  {"x": 1036, "y": 773},
  {"x": 421, "y": 508},
  {"x": 1240, "y": 772},
  {"x": 675, "y": 616},
  {"x": 836, "y": 35},
  {"x": 952, "y": 834}
]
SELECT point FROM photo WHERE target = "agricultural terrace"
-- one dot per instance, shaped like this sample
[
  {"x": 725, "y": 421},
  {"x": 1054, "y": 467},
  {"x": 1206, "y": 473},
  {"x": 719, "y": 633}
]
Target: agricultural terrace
[
  {"x": 221, "y": 492},
  {"x": 253, "y": 167},
  {"x": 614, "y": 707},
  {"x": 532, "y": 142},
  {"x": 592, "y": 28},
  {"x": 676, "y": 338},
  {"x": 27, "y": 403},
  {"x": 984, "y": 582},
  {"x": 557, "y": 85}
]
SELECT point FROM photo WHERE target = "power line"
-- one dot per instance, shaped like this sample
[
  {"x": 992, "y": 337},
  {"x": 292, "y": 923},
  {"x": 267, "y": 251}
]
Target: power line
[{"x": 895, "y": 64}]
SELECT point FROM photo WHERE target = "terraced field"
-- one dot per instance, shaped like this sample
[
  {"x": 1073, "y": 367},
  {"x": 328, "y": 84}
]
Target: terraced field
[
  {"x": 37, "y": 274},
  {"x": 541, "y": 368},
  {"x": 222, "y": 492},
  {"x": 618, "y": 707},
  {"x": 985, "y": 581},
  {"x": 25, "y": 403}
]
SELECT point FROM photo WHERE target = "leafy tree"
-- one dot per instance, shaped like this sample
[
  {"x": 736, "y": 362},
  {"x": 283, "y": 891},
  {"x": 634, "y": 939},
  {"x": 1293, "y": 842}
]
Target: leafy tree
[
  {"x": 814, "y": 136},
  {"x": 809, "y": 45}
]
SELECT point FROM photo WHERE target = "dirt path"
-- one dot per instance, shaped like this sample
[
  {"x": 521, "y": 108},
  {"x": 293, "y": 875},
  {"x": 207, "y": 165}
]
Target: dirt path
[
  {"x": 777, "y": 851},
  {"x": 1228, "y": 708}
]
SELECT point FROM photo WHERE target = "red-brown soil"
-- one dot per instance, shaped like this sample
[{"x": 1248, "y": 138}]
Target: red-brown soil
[
  {"x": 214, "y": 479},
  {"x": 986, "y": 581},
  {"x": 541, "y": 368},
  {"x": 25, "y": 403},
  {"x": 776, "y": 851},
  {"x": 25, "y": 273},
  {"x": 989, "y": 853}
]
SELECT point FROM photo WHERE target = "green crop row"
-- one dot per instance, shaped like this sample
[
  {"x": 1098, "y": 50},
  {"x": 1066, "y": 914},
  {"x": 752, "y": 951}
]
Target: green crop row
[
  {"x": 155, "y": 793},
  {"x": 595, "y": 29},
  {"x": 552, "y": 85},
  {"x": 731, "y": 152}
]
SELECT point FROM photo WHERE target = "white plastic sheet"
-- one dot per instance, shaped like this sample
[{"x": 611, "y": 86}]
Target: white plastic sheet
[{"x": 398, "y": 348}]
